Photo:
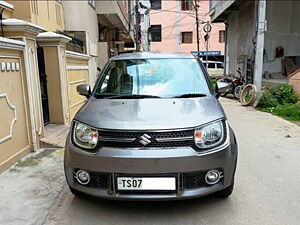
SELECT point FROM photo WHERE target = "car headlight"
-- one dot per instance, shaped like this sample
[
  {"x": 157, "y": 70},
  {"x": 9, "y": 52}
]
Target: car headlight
[
  {"x": 85, "y": 136},
  {"x": 210, "y": 135}
]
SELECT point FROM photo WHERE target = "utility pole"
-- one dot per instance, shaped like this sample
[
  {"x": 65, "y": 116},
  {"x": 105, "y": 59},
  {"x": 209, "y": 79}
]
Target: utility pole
[
  {"x": 259, "y": 51},
  {"x": 207, "y": 29},
  {"x": 207, "y": 37},
  {"x": 137, "y": 26},
  {"x": 197, "y": 25}
]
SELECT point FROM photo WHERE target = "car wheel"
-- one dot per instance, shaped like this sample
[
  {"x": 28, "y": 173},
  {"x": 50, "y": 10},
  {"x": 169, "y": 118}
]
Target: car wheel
[
  {"x": 226, "y": 192},
  {"x": 76, "y": 193}
]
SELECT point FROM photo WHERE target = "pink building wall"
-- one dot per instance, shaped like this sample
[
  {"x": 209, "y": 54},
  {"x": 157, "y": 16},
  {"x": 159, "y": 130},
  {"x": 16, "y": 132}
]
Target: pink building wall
[{"x": 167, "y": 18}]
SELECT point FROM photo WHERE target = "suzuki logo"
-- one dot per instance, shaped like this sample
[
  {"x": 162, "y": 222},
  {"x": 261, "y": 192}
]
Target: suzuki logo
[{"x": 144, "y": 139}]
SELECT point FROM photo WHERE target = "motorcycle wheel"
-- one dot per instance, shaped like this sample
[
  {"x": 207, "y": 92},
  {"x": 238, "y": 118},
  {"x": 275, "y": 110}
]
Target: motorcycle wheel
[{"x": 237, "y": 91}]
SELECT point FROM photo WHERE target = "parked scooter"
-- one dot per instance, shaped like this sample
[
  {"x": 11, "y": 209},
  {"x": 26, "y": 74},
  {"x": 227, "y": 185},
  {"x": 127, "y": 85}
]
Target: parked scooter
[{"x": 234, "y": 86}]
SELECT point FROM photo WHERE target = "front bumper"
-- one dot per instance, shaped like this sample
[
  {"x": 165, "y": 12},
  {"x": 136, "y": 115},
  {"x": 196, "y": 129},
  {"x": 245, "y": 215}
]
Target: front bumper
[{"x": 178, "y": 162}]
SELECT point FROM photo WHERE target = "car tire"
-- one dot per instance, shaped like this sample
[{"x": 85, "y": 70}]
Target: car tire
[
  {"x": 226, "y": 192},
  {"x": 76, "y": 193}
]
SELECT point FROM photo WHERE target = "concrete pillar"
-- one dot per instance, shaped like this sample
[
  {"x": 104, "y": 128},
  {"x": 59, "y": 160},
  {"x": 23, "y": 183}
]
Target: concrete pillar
[
  {"x": 259, "y": 51},
  {"x": 54, "y": 46},
  {"x": 27, "y": 32}
]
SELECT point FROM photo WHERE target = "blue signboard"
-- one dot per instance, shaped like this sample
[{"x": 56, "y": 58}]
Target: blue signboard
[{"x": 208, "y": 53}]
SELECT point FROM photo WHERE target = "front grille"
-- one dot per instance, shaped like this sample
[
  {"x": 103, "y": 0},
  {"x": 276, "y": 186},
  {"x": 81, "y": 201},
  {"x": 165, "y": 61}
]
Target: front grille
[
  {"x": 158, "y": 139},
  {"x": 153, "y": 144}
]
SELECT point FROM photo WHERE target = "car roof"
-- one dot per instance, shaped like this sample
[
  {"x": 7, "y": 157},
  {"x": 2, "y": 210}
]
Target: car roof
[{"x": 152, "y": 55}]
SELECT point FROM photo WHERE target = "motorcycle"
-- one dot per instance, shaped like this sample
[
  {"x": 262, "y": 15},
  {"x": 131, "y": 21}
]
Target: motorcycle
[{"x": 234, "y": 85}]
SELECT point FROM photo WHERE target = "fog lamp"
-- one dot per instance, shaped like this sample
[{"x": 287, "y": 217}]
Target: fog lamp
[
  {"x": 82, "y": 177},
  {"x": 212, "y": 177}
]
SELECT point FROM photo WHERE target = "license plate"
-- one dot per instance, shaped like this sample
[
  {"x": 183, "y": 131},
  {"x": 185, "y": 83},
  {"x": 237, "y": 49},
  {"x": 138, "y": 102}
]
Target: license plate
[{"x": 147, "y": 183}]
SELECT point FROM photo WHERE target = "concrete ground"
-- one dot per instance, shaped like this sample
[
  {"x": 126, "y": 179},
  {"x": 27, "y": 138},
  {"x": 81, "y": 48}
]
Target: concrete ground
[
  {"x": 55, "y": 136},
  {"x": 266, "y": 190}
]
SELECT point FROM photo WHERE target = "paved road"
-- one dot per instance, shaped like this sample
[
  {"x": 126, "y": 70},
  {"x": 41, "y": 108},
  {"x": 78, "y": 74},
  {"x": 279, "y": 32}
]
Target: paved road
[{"x": 266, "y": 192}]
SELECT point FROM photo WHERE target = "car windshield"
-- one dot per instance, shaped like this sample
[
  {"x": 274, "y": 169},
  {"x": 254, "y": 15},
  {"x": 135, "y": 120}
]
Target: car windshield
[{"x": 161, "y": 78}]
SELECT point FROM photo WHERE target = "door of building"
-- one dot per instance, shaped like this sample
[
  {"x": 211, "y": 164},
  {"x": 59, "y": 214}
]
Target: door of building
[{"x": 43, "y": 83}]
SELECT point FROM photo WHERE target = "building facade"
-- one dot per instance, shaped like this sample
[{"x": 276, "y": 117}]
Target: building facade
[
  {"x": 261, "y": 37},
  {"x": 47, "y": 48},
  {"x": 102, "y": 29},
  {"x": 173, "y": 27},
  {"x": 46, "y": 14}
]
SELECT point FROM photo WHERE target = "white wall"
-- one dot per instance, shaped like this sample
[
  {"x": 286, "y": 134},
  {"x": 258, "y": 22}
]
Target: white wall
[
  {"x": 283, "y": 29},
  {"x": 103, "y": 57},
  {"x": 241, "y": 30}
]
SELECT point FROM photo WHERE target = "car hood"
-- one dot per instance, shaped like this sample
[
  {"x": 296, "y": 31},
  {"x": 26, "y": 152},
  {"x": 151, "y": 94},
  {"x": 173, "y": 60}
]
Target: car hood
[{"x": 145, "y": 114}]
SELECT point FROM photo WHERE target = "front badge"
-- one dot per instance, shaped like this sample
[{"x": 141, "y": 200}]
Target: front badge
[{"x": 145, "y": 139}]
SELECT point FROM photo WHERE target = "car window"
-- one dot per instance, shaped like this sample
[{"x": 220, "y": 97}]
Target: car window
[
  {"x": 220, "y": 66},
  {"x": 160, "y": 77},
  {"x": 211, "y": 66}
]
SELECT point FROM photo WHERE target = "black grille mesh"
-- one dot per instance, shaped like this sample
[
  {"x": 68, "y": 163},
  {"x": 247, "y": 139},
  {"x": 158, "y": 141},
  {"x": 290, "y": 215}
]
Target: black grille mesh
[
  {"x": 194, "y": 180},
  {"x": 154, "y": 136}
]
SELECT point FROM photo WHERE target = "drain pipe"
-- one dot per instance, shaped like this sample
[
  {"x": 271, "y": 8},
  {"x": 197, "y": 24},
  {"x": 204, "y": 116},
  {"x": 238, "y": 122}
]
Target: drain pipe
[{"x": 259, "y": 50}]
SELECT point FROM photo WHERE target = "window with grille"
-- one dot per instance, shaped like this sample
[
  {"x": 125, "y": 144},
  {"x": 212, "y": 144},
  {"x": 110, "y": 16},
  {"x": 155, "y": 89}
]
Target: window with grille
[
  {"x": 155, "y": 33},
  {"x": 187, "y": 37},
  {"x": 155, "y": 4},
  {"x": 221, "y": 36},
  {"x": 186, "y": 5}
]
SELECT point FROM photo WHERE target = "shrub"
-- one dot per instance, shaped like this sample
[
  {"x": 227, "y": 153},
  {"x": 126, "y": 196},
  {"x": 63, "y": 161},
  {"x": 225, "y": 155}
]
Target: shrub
[
  {"x": 213, "y": 83},
  {"x": 289, "y": 112},
  {"x": 275, "y": 95},
  {"x": 281, "y": 101}
]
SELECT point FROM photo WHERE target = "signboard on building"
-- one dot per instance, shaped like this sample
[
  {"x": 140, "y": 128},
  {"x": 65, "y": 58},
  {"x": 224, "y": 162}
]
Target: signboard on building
[{"x": 207, "y": 53}]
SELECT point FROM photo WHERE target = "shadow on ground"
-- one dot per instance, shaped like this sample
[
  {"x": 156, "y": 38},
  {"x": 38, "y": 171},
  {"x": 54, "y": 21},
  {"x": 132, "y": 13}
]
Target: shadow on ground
[{"x": 158, "y": 212}]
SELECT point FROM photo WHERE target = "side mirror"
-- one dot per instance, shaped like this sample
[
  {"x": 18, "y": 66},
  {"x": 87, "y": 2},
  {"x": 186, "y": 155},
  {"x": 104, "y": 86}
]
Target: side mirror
[
  {"x": 221, "y": 87},
  {"x": 84, "y": 89}
]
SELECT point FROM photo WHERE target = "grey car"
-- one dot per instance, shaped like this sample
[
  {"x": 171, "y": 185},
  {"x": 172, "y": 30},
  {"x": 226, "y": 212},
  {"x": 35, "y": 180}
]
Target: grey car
[{"x": 151, "y": 129}]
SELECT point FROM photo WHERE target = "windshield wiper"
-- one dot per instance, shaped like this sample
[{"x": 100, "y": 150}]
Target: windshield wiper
[
  {"x": 190, "y": 95},
  {"x": 128, "y": 96}
]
